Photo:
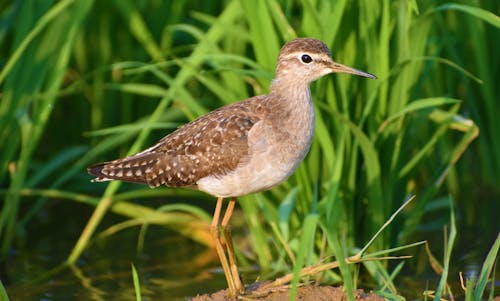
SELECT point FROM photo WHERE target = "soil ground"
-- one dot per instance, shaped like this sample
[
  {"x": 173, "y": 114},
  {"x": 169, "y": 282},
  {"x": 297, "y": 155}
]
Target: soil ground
[{"x": 308, "y": 292}]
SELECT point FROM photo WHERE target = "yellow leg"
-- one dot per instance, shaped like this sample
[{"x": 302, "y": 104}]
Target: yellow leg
[
  {"x": 226, "y": 228},
  {"x": 214, "y": 229}
]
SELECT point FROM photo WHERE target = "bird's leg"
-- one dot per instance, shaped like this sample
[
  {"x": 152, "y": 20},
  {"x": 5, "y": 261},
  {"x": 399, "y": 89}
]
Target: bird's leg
[
  {"x": 214, "y": 230},
  {"x": 226, "y": 228}
]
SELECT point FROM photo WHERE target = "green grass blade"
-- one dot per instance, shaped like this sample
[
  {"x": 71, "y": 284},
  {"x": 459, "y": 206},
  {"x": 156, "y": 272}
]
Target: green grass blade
[
  {"x": 261, "y": 29},
  {"x": 305, "y": 247},
  {"x": 132, "y": 128},
  {"x": 285, "y": 210},
  {"x": 139, "y": 28},
  {"x": 345, "y": 269},
  {"x": 147, "y": 90},
  {"x": 44, "y": 21},
  {"x": 252, "y": 209},
  {"x": 447, "y": 255},
  {"x": 486, "y": 269},
  {"x": 416, "y": 105},
  {"x": 3, "y": 293},
  {"x": 477, "y": 12},
  {"x": 137, "y": 284},
  {"x": 51, "y": 167}
]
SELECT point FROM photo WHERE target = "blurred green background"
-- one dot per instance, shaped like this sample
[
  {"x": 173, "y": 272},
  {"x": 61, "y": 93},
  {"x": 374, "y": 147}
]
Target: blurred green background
[{"x": 87, "y": 81}]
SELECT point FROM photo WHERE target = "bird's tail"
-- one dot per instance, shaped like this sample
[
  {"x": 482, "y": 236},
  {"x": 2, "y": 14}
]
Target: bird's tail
[{"x": 131, "y": 169}]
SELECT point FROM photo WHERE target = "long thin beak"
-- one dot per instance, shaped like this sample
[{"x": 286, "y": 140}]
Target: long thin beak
[{"x": 339, "y": 68}]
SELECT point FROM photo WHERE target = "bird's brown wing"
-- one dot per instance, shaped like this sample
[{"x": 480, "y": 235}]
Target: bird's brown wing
[{"x": 213, "y": 144}]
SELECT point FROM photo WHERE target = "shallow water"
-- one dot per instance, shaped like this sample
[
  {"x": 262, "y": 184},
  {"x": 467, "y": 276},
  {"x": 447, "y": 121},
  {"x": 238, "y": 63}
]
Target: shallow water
[{"x": 170, "y": 266}]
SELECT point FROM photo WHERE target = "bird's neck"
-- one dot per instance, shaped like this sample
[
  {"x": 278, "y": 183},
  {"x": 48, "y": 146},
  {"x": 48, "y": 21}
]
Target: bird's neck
[
  {"x": 291, "y": 110},
  {"x": 293, "y": 107},
  {"x": 293, "y": 95}
]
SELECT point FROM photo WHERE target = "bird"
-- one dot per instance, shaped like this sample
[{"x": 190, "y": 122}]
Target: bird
[{"x": 241, "y": 148}]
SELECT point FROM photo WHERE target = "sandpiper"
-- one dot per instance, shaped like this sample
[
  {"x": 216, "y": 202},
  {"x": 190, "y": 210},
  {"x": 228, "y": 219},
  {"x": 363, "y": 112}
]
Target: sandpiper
[{"x": 241, "y": 148}]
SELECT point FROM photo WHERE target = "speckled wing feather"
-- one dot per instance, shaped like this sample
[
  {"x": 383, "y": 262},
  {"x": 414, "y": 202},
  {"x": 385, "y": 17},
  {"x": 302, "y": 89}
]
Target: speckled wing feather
[{"x": 213, "y": 144}]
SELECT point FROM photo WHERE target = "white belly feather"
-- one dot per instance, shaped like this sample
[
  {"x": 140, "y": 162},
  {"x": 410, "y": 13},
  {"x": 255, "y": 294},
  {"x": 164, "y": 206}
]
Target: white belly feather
[{"x": 274, "y": 154}]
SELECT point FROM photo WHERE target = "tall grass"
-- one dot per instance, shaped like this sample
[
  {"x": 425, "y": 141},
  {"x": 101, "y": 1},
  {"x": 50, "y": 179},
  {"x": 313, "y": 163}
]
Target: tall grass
[
  {"x": 23, "y": 120},
  {"x": 87, "y": 81}
]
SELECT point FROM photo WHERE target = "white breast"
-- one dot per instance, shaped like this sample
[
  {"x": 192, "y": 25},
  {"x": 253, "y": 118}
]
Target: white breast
[{"x": 275, "y": 152}]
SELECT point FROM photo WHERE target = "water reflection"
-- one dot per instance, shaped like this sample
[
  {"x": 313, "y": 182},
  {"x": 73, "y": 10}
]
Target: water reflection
[{"x": 170, "y": 267}]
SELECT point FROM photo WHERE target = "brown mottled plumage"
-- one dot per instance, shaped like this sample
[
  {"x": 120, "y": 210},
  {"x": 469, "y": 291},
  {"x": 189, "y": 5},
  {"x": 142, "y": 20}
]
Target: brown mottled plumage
[
  {"x": 245, "y": 147},
  {"x": 213, "y": 144}
]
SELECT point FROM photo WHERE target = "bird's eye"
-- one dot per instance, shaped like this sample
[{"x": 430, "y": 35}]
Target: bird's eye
[{"x": 306, "y": 58}]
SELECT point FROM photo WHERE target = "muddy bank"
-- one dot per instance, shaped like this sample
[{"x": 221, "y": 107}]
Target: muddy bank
[{"x": 310, "y": 292}]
